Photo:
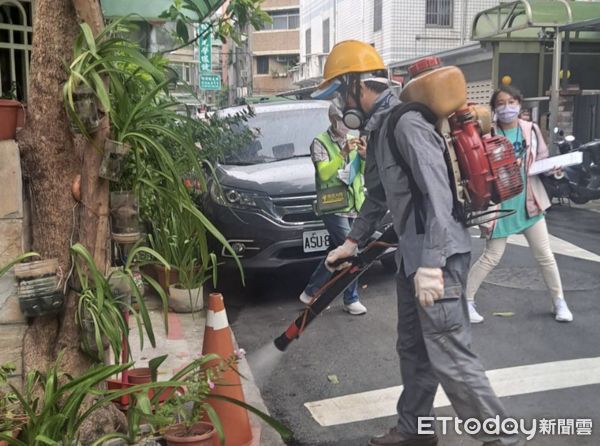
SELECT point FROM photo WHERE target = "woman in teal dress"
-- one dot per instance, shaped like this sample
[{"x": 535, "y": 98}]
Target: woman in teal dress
[{"x": 529, "y": 206}]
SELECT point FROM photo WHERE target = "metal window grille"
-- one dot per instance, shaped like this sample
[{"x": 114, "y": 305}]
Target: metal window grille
[
  {"x": 15, "y": 47},
  {"x": 326, "y": 35},
  {"x": 439, "y": 13},
  {"x": 262, "y": 65},
  {"x": 377, "y": 14},
  {"x": 294, "y": 21}
]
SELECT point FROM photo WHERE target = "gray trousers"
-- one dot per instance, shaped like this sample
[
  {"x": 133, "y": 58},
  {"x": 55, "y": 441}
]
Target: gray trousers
[{"x": 434, "y": 345}]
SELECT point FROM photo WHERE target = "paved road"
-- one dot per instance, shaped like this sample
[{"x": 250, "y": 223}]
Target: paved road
[{"x": 359, "y": 352}]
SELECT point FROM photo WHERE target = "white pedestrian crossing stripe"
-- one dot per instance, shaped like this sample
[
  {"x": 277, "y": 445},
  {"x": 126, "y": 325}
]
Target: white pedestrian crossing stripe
[
  {"x": 510, "y": 381},
  {"x": 558, "y": 246}
]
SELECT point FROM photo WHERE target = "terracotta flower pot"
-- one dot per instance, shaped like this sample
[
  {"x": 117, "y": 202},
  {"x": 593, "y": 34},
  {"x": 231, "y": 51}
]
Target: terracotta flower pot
[
  {"x": 9, "y": 111},
  {"x": 165, "y": 278},
  {"x": 199, "y": 434},
  {"x": 141, "y": 375},
  {"x": 123, "y": 400}
]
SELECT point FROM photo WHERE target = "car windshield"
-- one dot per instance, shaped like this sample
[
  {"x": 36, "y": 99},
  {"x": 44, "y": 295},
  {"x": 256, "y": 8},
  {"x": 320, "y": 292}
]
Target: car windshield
[{"x": 281, "y": 134}]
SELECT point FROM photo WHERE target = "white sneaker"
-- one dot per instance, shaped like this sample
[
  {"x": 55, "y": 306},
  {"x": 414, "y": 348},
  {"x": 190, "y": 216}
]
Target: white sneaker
[
  {"x": 355, "y": 308},
  {"x": 474, "y": 316},
  {"x": 305, "y": 298},
  {"x": 561, "y": 311}
]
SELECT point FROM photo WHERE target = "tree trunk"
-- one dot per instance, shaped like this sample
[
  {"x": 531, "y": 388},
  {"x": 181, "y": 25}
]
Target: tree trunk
[{"x": 52, "y": 157}]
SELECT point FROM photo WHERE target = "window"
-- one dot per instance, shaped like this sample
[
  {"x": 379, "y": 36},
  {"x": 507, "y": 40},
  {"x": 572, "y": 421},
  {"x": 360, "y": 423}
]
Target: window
[
  {"x": 326, "y": 35},
  {"x": 262, "y": 65},
  {"x": 284, "y": 20},
  {"x": 439, "y": 13},
  {"x": 307, "y": 42},
  {"x": 15, "y": 48},
  {"x": 294, "y": 21},
  {"x": 377, "y": 14}
]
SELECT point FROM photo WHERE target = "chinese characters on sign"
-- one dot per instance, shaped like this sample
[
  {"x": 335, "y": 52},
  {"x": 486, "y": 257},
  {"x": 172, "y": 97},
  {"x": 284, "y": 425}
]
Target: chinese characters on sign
[
  {"x": 208, "y": 80},
  {"x": 205, "y": 48}
]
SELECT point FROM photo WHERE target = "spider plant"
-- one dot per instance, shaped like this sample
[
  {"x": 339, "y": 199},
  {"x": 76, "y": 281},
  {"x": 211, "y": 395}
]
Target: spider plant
[{"x": 98, "y": 303}]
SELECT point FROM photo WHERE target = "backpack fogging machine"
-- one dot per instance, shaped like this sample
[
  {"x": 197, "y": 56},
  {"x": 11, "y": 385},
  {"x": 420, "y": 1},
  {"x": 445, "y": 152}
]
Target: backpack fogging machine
[
  {"x": 337, "y": 284},
  {"x": 482, "y": 169}
]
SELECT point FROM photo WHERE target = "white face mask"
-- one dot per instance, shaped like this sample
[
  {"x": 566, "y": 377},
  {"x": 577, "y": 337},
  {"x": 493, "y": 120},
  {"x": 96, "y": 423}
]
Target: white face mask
[
  {"x": 508, "y": 113},
  {"x": 340, "y": 129}
]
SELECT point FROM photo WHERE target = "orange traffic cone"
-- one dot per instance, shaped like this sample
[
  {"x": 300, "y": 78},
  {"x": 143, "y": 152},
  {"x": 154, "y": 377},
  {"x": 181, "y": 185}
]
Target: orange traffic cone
[{"x": 218, "y": 339}]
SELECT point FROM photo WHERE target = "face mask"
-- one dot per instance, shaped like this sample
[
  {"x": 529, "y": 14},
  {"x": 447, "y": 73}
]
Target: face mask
[
  {"x": 508, "y": 113},
  {"x": 340, "y": 129}
]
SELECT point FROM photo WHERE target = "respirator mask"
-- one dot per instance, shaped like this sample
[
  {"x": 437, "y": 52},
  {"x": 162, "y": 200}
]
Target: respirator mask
[{"x": 353, "y": 118}]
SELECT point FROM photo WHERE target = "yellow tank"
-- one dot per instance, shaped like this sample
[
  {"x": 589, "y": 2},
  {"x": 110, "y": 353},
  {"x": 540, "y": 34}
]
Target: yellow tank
[
  {"x": 483, "y": 115},
  {"x": 442, "y": 89}
]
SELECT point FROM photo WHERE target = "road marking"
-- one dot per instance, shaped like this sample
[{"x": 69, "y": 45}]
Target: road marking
[
  {"x": 509, "y": 381},
  {"x": 558, "y": 246}
]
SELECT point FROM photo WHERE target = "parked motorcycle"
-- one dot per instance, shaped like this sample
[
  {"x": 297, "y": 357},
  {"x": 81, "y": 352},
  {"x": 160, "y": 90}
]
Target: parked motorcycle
[{"x": 580, "y": 183}]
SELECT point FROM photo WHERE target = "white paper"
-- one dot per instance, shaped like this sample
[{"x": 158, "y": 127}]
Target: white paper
[{"x": 546, "y": 165}]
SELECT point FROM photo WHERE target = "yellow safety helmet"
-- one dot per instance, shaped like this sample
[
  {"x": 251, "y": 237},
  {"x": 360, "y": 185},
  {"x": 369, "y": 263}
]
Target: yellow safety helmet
[{"x": 350, "y": 56}]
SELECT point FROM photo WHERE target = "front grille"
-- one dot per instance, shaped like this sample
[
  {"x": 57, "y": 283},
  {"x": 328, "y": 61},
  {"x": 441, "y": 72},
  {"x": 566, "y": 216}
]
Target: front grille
[
  {"x": 296, "y": 252},
  {"x": 295, "y": 209}
]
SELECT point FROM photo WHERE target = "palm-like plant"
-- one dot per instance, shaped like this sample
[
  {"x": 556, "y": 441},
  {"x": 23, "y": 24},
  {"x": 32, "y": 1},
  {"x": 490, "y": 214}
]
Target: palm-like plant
[
  {"x": 56, "y": 404},
  {"x": 142, "y": 114},
  {"x": 99, "y": 304}
]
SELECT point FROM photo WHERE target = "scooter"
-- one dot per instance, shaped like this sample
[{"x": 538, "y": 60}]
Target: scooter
[{"x": 580, "y": 183}]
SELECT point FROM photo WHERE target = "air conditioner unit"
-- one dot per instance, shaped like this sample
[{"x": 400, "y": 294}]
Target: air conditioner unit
[{"x": 244, "y": 73}]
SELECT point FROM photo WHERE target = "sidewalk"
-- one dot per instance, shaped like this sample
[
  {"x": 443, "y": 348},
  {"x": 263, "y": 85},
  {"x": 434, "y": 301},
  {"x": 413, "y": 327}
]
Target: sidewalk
[{"x": 183, "y": 344}]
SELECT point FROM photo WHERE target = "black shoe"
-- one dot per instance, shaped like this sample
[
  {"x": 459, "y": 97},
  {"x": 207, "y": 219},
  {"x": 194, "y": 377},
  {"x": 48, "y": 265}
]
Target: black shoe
[{"x": 395, "y": 438}]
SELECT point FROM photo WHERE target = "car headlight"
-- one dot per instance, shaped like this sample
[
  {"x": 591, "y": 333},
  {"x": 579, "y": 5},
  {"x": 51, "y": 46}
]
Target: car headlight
[{"x": 237, "y": 198}]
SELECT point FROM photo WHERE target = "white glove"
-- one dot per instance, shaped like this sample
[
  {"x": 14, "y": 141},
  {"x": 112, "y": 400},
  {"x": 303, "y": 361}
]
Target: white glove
[
  {"x": 348, "y": 249},
  {"x": 429, "y": 285}
]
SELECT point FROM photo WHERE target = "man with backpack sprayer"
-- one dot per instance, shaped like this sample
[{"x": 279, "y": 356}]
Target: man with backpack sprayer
[{"x": 433, "y": 254}]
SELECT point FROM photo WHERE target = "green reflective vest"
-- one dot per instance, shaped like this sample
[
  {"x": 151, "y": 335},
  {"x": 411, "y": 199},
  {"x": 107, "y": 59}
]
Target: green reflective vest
[{"x": 356, "y": 191}]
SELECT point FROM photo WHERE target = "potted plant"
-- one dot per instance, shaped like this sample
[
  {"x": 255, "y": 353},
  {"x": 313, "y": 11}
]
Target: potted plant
[
  {"x": 39, "y": 289},
  {"x": 194, "y": 266},
  {"x": 106, "y": 309},
  {"x": 10, "y": 111},
  {"x": 52, "y": 403},
  {"x": 187, "y": 417}
]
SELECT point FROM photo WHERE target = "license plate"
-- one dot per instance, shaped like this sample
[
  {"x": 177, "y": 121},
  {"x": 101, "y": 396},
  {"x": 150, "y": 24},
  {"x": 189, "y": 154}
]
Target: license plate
[{"x": 314, "y": 241}]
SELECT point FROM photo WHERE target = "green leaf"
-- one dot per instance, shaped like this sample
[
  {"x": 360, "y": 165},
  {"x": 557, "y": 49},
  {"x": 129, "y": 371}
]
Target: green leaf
[
  {"x": 182, "y": 31},
  {"x": 281, "y": 429},
  {"x": 504, "y": 313},
  {"x": 154, "y": 364},
  {"x": 333, "y": 379},
  {"x": 6, "y": 268}
]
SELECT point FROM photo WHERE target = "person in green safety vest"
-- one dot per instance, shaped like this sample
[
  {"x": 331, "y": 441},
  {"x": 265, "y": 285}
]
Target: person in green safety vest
[{"x": 339, "y": 167}]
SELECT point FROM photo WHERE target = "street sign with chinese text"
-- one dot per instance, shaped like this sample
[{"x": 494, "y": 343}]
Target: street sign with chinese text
[
  {"x": 205, "y": 48},
  {"x": 210, "y": 81}
]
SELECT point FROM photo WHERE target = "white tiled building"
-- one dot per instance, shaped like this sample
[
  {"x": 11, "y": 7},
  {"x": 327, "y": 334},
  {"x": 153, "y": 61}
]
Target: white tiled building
[{"x": 399, "y": 29}]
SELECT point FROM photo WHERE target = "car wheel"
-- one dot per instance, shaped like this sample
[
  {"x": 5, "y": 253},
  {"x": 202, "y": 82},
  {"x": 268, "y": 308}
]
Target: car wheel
[{"x": 388, "y": 261}]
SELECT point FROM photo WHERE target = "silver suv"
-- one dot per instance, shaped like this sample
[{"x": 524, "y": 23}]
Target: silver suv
[{"x": 264, "y": 205}]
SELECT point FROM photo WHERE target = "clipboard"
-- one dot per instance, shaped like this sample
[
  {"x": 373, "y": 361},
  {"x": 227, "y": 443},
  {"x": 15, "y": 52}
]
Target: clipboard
[{"x": 546, "y": 165}]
